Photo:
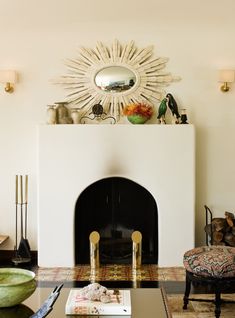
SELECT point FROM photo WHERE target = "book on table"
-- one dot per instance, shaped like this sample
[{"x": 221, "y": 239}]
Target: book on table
[{"x": 78, "y": 305}]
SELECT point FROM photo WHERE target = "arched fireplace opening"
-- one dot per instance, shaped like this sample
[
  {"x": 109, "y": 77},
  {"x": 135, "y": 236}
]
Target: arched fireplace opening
[{"x": 115, "y": 207}]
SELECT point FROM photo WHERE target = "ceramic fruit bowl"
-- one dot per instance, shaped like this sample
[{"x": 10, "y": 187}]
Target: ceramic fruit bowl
[{"x": 16, "y": 285}]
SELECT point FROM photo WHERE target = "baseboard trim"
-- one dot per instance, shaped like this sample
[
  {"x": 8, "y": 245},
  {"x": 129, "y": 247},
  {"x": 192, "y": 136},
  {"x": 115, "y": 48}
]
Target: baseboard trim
[{"x": 7, "y": 255}]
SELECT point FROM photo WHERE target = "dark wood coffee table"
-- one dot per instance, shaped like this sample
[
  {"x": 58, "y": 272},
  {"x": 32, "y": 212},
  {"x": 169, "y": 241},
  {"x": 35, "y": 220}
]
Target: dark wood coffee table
[{"x": 146, "y": 302}]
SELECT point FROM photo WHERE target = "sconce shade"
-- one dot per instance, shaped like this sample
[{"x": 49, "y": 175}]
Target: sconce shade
[
  {"x": 8, "y": 76},
  {"x": 226, "y": 76}
]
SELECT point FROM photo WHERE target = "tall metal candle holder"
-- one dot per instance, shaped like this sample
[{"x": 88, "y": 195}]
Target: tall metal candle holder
[{"x": 22, "y": 252}]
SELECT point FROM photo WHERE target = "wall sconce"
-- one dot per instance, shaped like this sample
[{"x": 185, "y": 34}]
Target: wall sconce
[
  {"x": 8, "y": 77},
  {"x": 226, "y": 76}
]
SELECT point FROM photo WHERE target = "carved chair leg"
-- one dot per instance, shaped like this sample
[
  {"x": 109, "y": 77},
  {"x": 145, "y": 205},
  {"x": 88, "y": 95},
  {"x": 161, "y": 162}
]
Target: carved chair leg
[
  {"x": 217, "y": 302},
  {"x": 187, "y": 291}
]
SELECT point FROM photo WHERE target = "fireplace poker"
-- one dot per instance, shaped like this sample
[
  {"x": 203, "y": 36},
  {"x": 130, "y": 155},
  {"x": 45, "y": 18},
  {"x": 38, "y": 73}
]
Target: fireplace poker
[
  {"x": 16, "y": 214},
  {"x": 26, "y": 206},
  {"x": 21, "y": 206}
]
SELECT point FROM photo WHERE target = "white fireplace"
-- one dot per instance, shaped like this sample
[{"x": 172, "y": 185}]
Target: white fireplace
[{"x": 160, "y": 158}]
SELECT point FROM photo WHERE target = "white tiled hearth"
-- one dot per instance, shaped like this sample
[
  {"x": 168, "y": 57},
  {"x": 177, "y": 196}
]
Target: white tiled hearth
[{"x": 160, "y": 158}]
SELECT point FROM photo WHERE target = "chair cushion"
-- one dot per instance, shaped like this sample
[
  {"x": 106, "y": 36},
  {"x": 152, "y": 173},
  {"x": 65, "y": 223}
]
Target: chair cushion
[{"x": 213, "y": 261}]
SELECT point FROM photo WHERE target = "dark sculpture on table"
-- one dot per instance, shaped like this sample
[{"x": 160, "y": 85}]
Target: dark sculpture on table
[{"x": 47, "y": 306}]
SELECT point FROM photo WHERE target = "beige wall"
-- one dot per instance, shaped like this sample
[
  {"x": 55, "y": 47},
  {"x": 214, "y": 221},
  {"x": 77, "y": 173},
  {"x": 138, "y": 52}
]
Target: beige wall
[{"x": 197, "y": 36}]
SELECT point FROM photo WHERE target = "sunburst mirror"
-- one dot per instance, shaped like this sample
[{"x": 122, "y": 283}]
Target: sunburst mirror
[{"x": 114, "y": 77}]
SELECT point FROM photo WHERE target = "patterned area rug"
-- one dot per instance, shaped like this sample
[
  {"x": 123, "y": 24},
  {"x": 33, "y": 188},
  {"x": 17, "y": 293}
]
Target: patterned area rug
[
  {"x": 148, "y": 272},
  {"x": 200, "y": 309}
]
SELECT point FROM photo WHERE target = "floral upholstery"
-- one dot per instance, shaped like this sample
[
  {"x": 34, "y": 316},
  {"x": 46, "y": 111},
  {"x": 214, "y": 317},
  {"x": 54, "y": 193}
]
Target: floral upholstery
[{"x": 211, "y": 261}]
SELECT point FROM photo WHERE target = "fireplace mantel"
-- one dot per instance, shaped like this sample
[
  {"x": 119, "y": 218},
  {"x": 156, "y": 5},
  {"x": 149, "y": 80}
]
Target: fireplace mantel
[{"x": 160, "y": 158}]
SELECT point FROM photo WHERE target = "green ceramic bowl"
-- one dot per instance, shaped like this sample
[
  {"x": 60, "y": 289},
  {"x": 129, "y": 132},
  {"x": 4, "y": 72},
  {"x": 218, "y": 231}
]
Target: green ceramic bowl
[
  {"x": 137, "y": 119},
  {"x": 16, "y": 285}
]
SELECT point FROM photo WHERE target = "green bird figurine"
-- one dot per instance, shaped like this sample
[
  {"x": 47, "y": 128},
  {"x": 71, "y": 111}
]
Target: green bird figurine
[{"x": 162, "y": 111}]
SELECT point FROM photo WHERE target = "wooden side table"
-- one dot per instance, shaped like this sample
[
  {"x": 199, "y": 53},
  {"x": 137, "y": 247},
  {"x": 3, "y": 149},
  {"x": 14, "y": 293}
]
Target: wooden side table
[{"x": 3, "y": 238}]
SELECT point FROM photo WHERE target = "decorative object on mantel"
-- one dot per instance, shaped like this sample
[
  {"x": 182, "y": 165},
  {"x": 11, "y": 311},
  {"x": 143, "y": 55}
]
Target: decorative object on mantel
[
  {"x": 173, "y": 107},
  {"x": 51, "y": 115},
  {"x": 138, "y": 113},
  {"x": 115, "y": 76},
  {"x": 176, "y": 117},
  {"x": 22, "y": 252},
  {"x": 98, "y": 114},
  {"x": 183, "y": 116},
  {"x": 63, "y": 113},
  {"x": 162, "y": 111},
  {"x": 75, "y": 115}
]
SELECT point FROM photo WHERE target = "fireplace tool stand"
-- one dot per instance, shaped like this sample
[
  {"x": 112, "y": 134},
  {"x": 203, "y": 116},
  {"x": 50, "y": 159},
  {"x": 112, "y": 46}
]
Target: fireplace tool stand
[{"x": 22, "y": 252}]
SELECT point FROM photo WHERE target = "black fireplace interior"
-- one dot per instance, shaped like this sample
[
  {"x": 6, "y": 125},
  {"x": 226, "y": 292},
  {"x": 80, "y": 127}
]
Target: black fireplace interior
[{"x": 115, "y": 207}]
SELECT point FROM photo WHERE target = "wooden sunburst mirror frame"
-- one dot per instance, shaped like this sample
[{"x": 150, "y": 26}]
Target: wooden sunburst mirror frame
[{"x": 150, "y": 79}]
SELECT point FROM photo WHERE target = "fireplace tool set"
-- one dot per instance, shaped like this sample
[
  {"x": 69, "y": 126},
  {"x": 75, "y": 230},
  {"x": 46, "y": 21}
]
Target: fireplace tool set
[{"x": 22, "y": 251}]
